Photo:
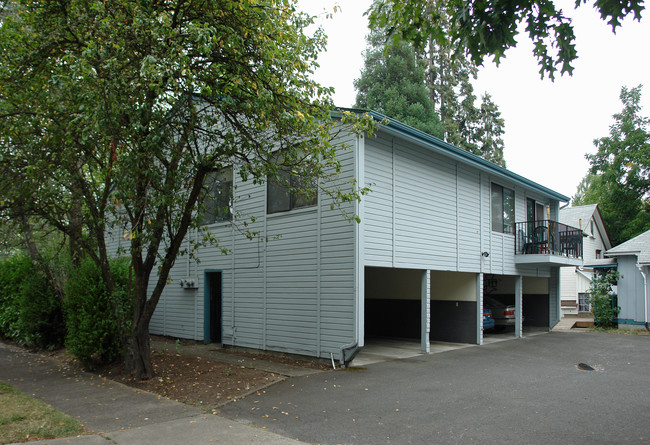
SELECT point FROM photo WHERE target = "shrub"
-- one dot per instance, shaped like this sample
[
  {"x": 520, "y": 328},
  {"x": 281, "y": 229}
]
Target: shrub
[
  {"x": 96, "y": 322},
  {"x": 30, "y": 311},
  {"x": 13, "y": 271},
  {"x": 41, "y": 314},
  {"x": 603, "y": 299}
]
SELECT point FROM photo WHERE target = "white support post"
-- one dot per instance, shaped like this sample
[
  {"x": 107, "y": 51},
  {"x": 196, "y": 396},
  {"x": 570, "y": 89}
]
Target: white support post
[
  {"x": 479, "y": 309},
  {"x": 518, "y": 306},
  {"x": 425, "y": 323},
  {"x": 359, "y": 249}
]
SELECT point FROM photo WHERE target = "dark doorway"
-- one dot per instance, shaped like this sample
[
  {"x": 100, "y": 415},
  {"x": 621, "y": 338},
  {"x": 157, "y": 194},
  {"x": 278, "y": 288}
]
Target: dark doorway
[{"x": 212, "y": 308}]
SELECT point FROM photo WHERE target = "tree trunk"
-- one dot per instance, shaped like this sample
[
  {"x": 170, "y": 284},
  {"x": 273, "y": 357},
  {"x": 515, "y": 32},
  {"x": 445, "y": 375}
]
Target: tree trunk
[
  {"x": 138, "y": 349},
  {"x": 75, "y": 234},
  {"x": 138, "y": 352},
  {"x": 137, "y": 346}
]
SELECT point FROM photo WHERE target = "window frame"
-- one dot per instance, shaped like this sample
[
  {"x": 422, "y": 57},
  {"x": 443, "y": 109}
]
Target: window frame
[
  {"x": 584, "y": 301},
  {"x": 498, "y": 222},
  {"x": 283, "y": 194},
  {"x": 217, "y": 203}
]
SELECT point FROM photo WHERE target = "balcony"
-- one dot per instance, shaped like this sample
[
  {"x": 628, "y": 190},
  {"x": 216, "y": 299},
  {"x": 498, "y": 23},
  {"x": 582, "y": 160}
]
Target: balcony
[{"x": 547, "y": 242}]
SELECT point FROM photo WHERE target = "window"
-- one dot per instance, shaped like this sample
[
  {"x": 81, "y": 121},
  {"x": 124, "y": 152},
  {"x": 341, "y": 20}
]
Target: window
[
  {"x": 217, "y": 200},
  {"x": 584, "y": 300},
  {"x": 289, "y": 191},
  {"x": 599, "y": 254},
  {"x": 503, "y": 209}
]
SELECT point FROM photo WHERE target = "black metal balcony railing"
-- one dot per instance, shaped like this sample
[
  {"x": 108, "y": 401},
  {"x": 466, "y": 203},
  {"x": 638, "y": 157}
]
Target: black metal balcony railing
[{"x": 547, "y": 237}]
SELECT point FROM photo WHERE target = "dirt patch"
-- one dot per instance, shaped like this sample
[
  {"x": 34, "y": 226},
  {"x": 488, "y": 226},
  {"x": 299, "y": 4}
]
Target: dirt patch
[
  {"x": 194, "y": 380},
  {"x": 188, "y": 378},
  {"x": 183, "y": 376}
]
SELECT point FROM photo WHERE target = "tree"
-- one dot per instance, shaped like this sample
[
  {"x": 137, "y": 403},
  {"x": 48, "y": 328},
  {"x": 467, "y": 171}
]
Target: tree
[
  {"x": 489, "y": 131},
  {"x": 624, "y": 155},
  {"x": 603, "y": 298},
  {"x": 126, "y": 107},
  {"x": 488, "y": 28},
  {"x": 392, "y": 83},
  {"x": 477, "y": 130},
  {"x": 619, "y": 177},
  {"x": 624, "y": 214}
]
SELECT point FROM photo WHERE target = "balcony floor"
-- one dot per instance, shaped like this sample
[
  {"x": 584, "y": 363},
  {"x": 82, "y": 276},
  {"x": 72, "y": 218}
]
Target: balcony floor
[{"x": 545, "y": 258}]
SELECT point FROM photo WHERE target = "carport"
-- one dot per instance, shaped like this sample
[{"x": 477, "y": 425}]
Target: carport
[
  {"x": 534, "y": 304},
  {"x": 392, "y": 303},
  {"x": 416, "y": 305},
  {"x": 427, "y": 307},
  {"x": 454, "y": 310}
]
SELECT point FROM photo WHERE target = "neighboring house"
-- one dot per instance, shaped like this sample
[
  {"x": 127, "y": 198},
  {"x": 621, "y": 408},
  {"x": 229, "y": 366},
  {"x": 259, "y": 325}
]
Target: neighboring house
[
  {"x": 440, "y": 229},
  {"x": 633, "y": 263},
  {"x": 575, "y": 282}
]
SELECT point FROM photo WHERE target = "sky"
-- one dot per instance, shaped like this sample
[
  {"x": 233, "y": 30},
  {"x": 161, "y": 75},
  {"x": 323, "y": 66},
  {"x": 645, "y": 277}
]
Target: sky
[{"x": 549, "y": 126}]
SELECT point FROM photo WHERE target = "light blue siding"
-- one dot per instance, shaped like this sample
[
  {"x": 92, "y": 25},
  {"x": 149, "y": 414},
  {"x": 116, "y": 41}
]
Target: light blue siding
[
  {"x": 291, "y": 289},
  {"x": 429, "y": 211},
  {"x": 554, "y": 297},
  {"x": 630, "y": 291},
  {"x": 298, "y": 287},
  {"x": 469, "y": 220}
]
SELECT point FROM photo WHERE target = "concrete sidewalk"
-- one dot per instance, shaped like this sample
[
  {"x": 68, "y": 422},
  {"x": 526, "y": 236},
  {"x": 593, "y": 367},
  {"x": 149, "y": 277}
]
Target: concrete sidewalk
[{"x": 117, "y": 413}]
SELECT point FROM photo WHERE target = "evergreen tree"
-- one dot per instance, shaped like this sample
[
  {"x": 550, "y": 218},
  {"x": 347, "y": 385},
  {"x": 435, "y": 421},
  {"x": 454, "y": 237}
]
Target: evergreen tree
[
  {"x": 449, "y": 79},
  {"x": 396, "y": 81},
  {"x": 392, "y": 83}
]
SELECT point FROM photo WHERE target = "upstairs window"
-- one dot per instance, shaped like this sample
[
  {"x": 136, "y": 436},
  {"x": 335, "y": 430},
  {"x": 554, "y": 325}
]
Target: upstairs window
[
  {"x": 503, "y": 209},
  {"x": 217, "y": 200},
  {"x": 290, "y": 191}
]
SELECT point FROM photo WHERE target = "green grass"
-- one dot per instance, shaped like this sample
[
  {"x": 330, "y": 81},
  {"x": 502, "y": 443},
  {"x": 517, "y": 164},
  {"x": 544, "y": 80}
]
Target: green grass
[{"x": 23, "y": 418}]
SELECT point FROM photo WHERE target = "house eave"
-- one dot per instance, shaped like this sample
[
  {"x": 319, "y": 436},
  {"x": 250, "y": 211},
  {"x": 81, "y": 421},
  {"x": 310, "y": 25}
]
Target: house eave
[
  {"x": 461, "y": 155},
  {"x": 601, "y": 262}
]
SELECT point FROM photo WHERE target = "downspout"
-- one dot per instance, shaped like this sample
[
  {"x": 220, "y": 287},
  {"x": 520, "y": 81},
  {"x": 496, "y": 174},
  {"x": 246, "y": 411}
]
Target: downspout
[
  {"x": 347, "y": 357},
  {"x": 645, "y": 294},
  {"x": 350, "y": 350}
]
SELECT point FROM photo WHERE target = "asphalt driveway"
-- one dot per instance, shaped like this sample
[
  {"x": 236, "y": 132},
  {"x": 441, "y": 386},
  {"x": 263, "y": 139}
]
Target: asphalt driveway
[{"x": 527, "y": 390}]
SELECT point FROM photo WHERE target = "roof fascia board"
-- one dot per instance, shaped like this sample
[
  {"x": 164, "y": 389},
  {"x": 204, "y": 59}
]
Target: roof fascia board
[
  {"x": 449, "y": 150},
  {"x": 623, "y": 253},
  {"x": 600, "y": 224}
]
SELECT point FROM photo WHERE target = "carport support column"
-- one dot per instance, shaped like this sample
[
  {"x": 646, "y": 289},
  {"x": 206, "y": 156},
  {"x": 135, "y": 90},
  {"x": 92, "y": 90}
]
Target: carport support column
[
  {"x": 425, "y": 312},
  {"x": 518, "y": 306},
  {"x": 479, "y": 309}
]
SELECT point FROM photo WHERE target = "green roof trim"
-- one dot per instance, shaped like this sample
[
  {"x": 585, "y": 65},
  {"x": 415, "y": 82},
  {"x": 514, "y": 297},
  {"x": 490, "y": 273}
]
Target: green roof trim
[{"x": 457, "y": 153}]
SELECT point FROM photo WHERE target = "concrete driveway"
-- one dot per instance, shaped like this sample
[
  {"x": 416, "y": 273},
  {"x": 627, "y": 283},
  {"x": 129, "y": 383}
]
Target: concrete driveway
[{"x": 528, "y": 390}]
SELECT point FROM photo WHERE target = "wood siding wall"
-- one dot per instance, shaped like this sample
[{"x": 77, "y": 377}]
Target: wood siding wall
[
  {"x": 631, "y": 293},
  {"x": 428, "y": 211},
  {"x": 294, "y": 292},
  {"x": 298, "y": 291}
]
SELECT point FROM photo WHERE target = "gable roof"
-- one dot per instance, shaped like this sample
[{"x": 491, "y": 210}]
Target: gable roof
[
  {"x": 433, "y": 143},
  {"x": 579, "y": 216},
  {"x": 573, "y": 215},
  {"x": 639, "y": 246}
]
